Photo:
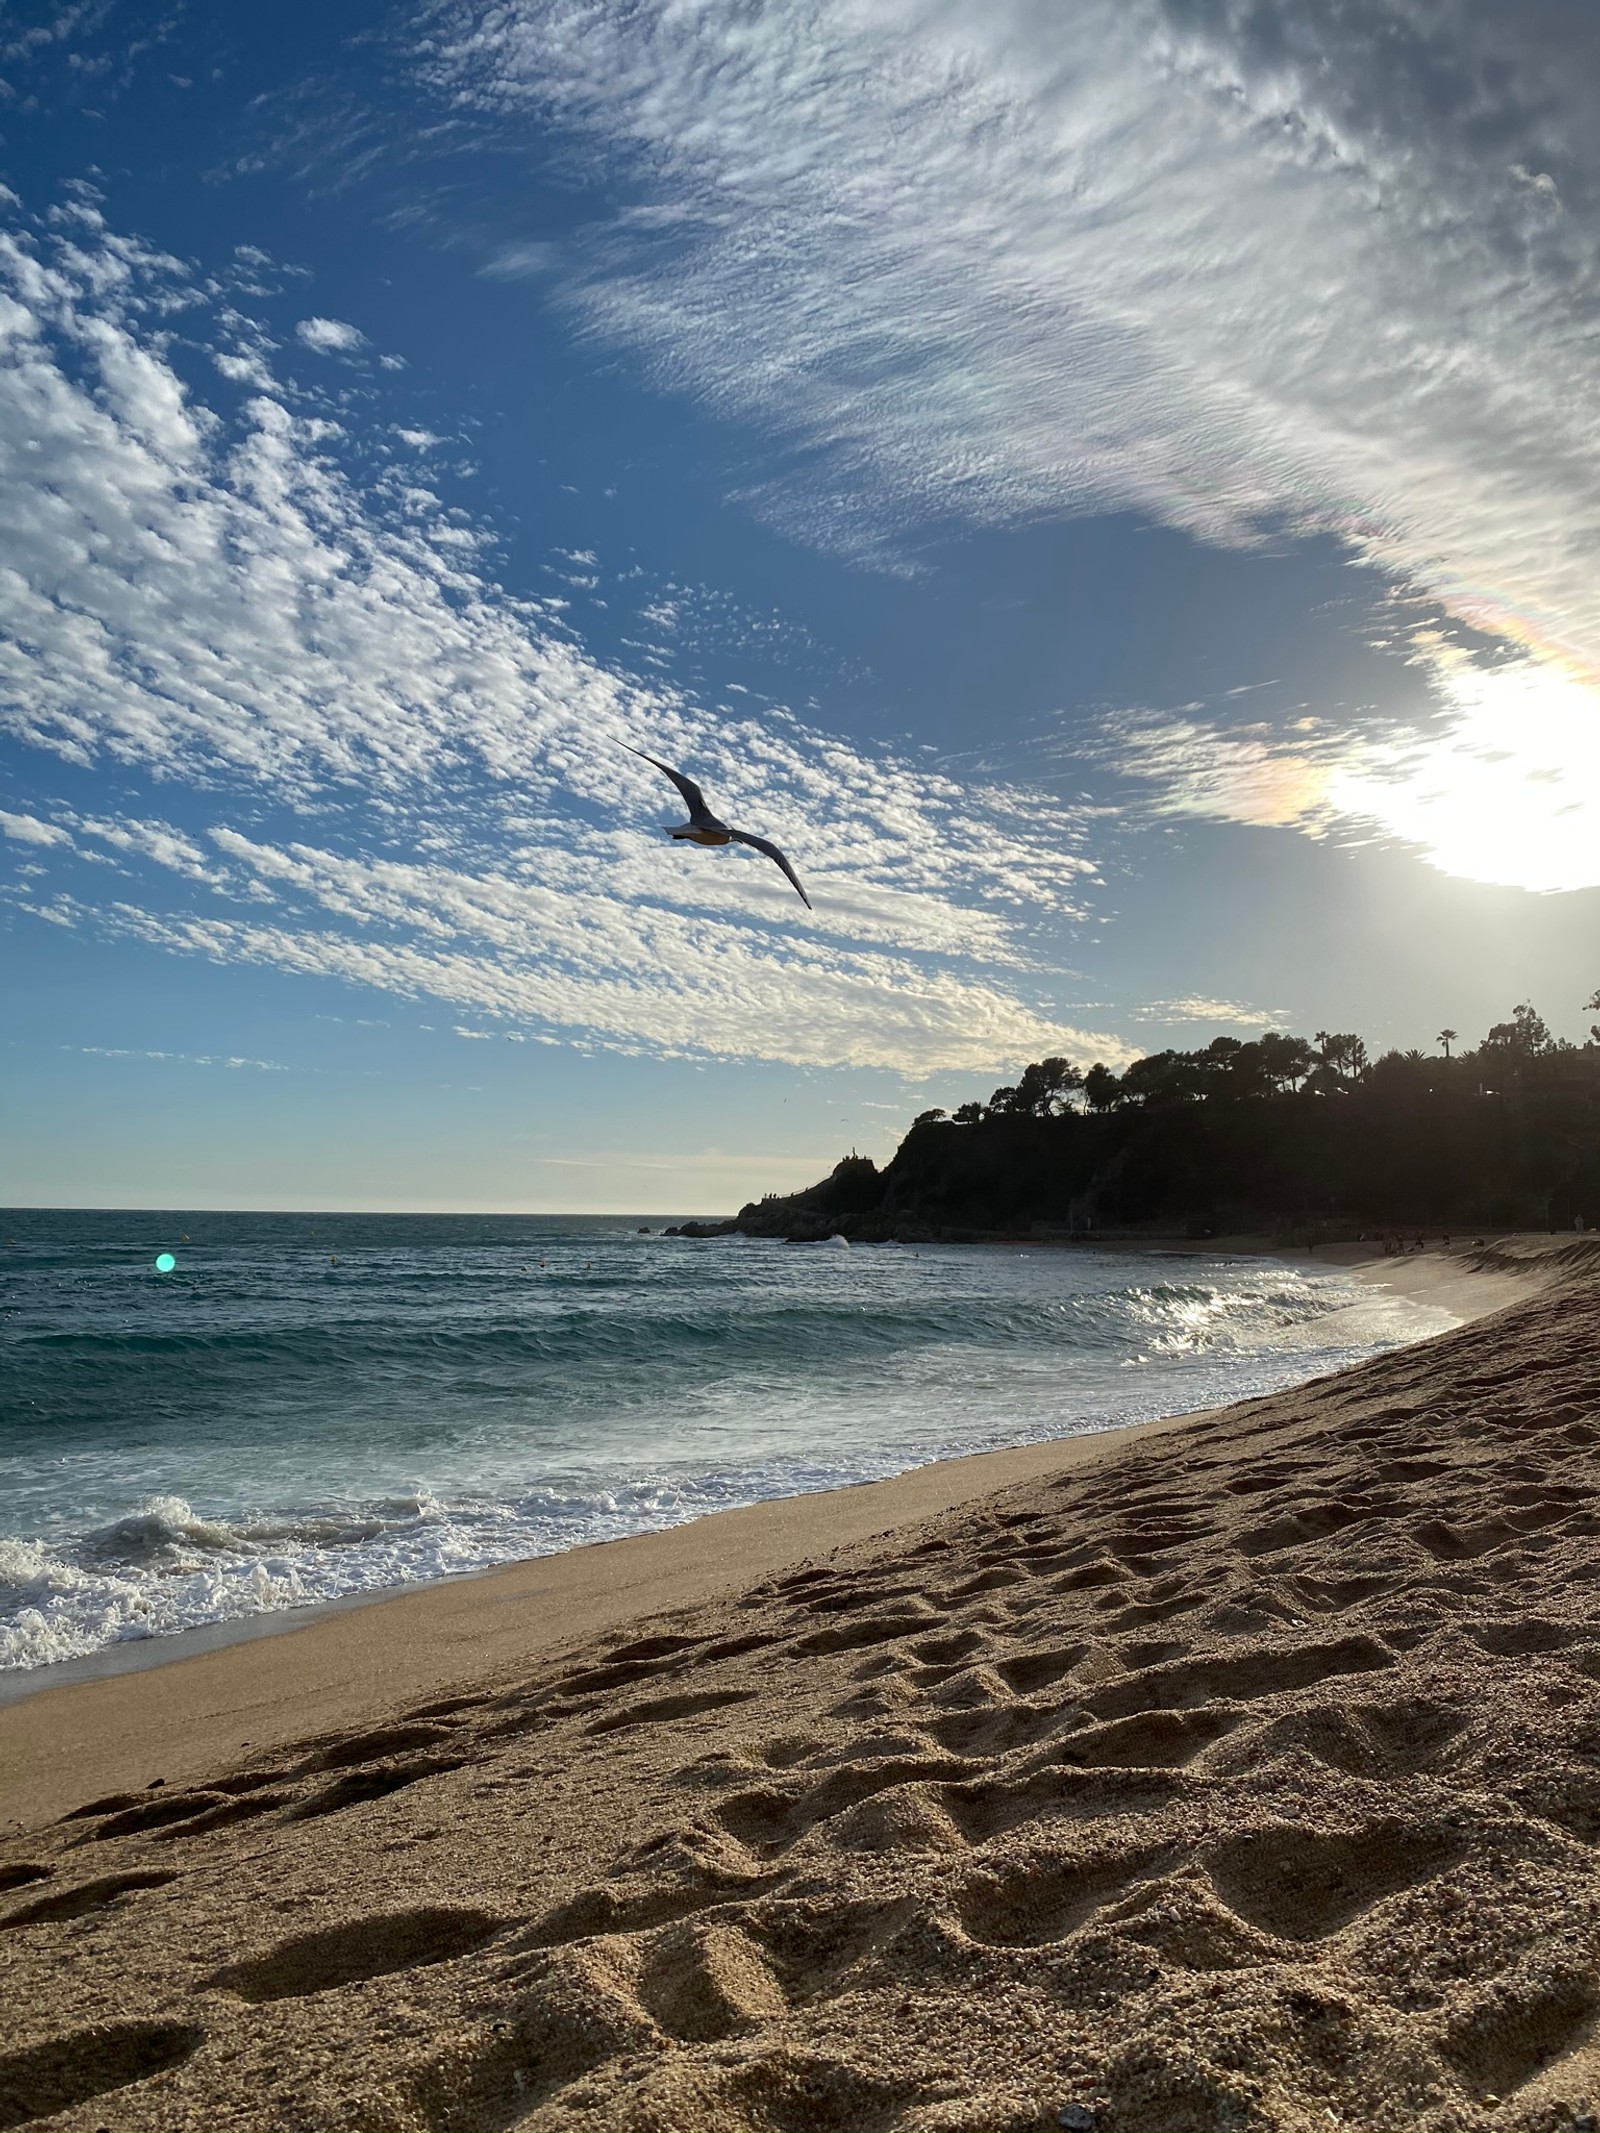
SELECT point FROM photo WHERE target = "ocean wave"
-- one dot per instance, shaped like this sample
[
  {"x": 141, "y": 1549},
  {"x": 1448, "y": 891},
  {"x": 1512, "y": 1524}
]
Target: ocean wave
[
  {"x": 276, "y": 1435},
  {"x": 55, "y": 1610},
  {"x": 648, "y": 1330},
  {"x": 163, "y": 1534},
  {"x": 167, "y": 1537}
]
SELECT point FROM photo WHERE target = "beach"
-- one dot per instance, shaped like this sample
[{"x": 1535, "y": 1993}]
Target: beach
[{"x": 1232, "y": 1770}]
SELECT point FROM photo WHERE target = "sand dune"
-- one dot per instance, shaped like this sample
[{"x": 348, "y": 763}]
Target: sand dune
[{"x": 1248, "y": 1776}]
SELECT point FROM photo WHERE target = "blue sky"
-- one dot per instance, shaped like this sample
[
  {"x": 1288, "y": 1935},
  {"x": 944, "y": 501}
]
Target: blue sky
[{"x": 1110, "y": 489}]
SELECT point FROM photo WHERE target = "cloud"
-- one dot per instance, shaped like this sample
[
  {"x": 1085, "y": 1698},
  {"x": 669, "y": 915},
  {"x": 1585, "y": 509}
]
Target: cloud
[
  {"x": 417, "y": 776},
  {"x": 562, "y": 953},
  {"x": 206, "y": 1059},
  {"x": 1215, "y": 262},
  {"x": 1195, "y": 1009},
  {"x": 28, "y": 829},
  {"x": 1503, "y": 786},
  {"x": 1252, "y": 269},
  {"x": 1254, "y": 774},
  {"x": 521, "y": 262},
  {"x": 329, "y": 336},
  {"x": 83, "y": 52}
]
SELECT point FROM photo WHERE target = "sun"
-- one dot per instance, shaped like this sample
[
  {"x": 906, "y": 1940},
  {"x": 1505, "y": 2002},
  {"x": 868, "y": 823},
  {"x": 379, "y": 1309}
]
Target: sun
[{"x": 1507, "y": 792}]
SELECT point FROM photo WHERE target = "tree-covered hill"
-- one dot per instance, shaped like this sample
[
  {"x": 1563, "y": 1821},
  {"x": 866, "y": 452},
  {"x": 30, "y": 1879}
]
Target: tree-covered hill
[{"x": 1276, "y": 1133}]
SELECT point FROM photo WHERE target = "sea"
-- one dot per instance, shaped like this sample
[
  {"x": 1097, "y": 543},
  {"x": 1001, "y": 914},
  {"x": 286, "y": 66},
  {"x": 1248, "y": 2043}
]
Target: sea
[{"x": 217, "y": 1418}]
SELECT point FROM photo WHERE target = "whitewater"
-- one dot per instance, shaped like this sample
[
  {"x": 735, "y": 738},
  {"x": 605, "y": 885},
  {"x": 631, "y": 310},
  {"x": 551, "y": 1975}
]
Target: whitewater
[{"x": 308, "y": 1407}]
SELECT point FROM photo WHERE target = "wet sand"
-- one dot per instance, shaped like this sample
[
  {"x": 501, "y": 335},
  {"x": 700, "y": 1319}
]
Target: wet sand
[{"x": 1238, "y": 1771}]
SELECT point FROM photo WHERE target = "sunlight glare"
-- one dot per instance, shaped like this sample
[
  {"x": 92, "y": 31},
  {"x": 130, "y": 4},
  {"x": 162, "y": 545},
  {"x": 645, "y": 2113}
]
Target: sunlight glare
[{"x": 1508, "y": 794}]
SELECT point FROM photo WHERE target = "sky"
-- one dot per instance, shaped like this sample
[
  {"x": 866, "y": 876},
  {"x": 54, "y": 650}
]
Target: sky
[{"x": 1112, "y": 489}]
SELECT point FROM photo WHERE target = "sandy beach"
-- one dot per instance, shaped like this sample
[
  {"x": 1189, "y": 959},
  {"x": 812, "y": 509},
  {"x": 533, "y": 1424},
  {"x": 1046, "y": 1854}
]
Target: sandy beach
[{"x": 1232, "y": 1771}]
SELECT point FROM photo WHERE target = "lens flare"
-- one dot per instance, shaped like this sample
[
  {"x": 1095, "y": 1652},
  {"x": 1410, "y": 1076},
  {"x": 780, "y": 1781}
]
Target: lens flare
[{"x": 165, "y": 1262}]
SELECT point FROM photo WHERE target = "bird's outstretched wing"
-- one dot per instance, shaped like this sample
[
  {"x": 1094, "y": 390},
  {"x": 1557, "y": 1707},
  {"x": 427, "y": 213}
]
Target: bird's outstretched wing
[
  {"x": 694, "y": 798},
  {"x": 760, "y": 844}
]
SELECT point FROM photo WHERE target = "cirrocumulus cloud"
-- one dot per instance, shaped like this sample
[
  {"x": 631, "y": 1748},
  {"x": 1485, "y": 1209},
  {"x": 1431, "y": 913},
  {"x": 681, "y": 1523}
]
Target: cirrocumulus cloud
[{"x": 396, "y": 773}]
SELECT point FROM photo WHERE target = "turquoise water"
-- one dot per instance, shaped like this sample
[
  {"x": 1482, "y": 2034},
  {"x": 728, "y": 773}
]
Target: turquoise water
[{"x": 312, "y": 1406}]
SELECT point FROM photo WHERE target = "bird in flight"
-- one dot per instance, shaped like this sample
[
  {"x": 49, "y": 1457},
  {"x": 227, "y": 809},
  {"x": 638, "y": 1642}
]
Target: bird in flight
[{"x": 703, "y": 827}]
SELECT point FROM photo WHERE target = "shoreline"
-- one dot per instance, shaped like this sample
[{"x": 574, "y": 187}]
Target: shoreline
[
  {"x": 1442, "y": 1283},
  {"x": 149, "y": 1709},
  {"x": 180, "y": 1714}
]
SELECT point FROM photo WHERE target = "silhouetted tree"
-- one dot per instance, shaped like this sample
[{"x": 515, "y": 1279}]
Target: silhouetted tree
[
  {"x": 1047, "y": 1087},
  {"x": 1341, "y": 1060},
  {"x": 1165, "y": 1077},
  {"x": 1286, "y": 1061},
  {"x": 1101, "y": 1089},
  {"x": 1506, "y": 1055}
]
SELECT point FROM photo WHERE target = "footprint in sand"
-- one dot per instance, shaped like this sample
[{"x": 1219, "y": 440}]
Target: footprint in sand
[
  {"x": 1033, "y": 1902},
  {"x": 358, "y": 1786},
  {"x": 365, "y": 1948},
  {"x": 1304, "y": 1884},
  {"x": 1518, "y": 2026},
  {"x": 87, "y": 1896},
  {"x": 66, "y": 2071},
  {"x": 21, "y": 1871}
]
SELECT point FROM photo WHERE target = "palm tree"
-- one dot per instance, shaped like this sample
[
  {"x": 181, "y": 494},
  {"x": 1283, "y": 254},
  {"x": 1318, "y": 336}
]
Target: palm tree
[{"x": 1446, "y": 1037}]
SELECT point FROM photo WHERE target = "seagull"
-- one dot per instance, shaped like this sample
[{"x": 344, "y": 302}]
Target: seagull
[{"x": 703, "y": 827}]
